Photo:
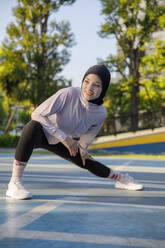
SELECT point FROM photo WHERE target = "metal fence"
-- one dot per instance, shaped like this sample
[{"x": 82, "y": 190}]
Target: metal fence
[{"x": 122, "y": 123}]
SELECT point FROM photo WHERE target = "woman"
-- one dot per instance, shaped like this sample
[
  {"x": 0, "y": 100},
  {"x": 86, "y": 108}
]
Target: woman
[{"x": 66, "y": 124}]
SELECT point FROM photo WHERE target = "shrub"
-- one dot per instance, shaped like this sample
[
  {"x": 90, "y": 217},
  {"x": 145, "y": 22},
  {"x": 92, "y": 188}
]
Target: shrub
[{"x": 7, "y": 140}]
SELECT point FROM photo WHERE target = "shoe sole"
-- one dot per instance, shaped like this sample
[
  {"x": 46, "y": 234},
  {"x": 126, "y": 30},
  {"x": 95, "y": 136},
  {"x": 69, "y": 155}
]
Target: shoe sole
[
  {"x": 17, "y": 197},
  {"x": 127, "y": 188}
]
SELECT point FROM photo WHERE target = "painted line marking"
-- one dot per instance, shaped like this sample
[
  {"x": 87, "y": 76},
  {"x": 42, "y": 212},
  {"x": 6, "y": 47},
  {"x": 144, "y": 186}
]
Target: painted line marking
[
  {"x": 88, "y": 238},
  {"x": 56, "y": 203},
  {"x": 11, "y": 227},
  {"x": 122, "y": 167}
]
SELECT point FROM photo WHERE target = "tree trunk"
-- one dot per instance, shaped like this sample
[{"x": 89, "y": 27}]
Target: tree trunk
[
  {"x": 134, "y": 72},
  {"x": 134, "y": 107},
  {"x": 10, "y": 119}
]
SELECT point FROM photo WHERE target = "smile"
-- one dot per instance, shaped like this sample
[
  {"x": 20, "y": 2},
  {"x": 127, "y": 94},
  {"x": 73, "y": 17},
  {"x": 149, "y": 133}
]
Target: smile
[{"x": 89, "y": 94}]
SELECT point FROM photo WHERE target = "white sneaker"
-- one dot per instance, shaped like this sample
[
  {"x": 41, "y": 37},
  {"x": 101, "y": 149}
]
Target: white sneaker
[
  {"x": 127, "y": 182},
  {"x": 16, "y": 190}
]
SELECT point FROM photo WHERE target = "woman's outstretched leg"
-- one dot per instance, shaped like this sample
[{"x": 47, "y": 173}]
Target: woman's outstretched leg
[{"x": 123, "y": 181}]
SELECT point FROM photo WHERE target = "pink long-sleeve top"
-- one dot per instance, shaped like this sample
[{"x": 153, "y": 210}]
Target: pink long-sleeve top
[{"x": 67, "y": 113}]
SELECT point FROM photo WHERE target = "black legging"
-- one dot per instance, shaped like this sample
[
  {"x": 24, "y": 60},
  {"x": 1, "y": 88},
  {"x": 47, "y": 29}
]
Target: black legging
[{"x": 33, "y": 137}]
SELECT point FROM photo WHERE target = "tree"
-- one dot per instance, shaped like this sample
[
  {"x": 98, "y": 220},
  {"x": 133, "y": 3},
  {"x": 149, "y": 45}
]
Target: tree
[
  {"x": 132, "y": 23},
  {"x": 152, "y": 70},
  {"x": 35, "y": 51}
]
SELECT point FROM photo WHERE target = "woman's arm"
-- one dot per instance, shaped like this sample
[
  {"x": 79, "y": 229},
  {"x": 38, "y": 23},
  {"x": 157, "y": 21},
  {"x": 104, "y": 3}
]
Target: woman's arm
[{"x": 51, "y": 106}]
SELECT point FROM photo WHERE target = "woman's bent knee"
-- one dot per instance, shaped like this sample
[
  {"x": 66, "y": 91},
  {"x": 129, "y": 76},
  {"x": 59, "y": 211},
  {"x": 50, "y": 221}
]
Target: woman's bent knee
[{"x": 32, "y": 126}]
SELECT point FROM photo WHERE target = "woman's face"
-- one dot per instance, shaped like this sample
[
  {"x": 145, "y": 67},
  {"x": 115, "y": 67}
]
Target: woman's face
[{"x": 91, "y": 87}]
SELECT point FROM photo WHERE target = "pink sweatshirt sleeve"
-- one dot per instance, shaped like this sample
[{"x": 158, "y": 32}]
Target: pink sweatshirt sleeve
[{"x": 51, "y": 106}]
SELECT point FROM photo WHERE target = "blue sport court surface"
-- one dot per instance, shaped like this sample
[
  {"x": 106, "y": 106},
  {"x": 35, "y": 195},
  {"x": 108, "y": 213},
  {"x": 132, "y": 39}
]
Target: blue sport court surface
[{"x": 72, "y": 208}]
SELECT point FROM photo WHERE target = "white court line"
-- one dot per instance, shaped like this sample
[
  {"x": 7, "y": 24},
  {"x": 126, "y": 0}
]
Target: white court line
[
  {"x": 91, "y": 179},
  {"x": 66, "y": 200},
  {"x": 90, "y": 238},
  {"x": 117, "y": 205},
  {"x": 132, "y": 168},
  {"x": 51, "y": 179},
  {"x": 85, "y": 178},
  {"x": 11, "y": 229},
  {"x": 155, "y": 186},
  {"x": 123, "y": 166},
  {"x": 155, "y": 182},
  {"x": 140, "y": 169}
]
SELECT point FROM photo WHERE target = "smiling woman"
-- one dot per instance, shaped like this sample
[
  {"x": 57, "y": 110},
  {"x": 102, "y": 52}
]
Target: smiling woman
[{"x": 65, "y": 124}]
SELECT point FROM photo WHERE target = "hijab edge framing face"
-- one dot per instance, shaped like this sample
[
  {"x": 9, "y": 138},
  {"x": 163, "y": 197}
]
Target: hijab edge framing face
[{"x": 96, "y": 82}]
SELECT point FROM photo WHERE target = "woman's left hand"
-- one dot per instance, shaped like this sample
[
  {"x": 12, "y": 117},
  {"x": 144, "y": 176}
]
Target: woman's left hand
[{"x": 85, "y": 155}]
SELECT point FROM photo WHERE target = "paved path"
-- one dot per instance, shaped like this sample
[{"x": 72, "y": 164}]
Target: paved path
[{"x": 72, "y": 208}]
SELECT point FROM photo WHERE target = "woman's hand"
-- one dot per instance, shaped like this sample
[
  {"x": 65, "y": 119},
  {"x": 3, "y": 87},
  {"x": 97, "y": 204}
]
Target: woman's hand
[
  {"x": 85, "y": 155},
  {"x": 72, "y": 145}
]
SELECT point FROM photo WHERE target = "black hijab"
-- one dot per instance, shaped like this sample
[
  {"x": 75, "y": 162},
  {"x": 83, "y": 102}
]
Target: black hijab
[{"x": 105, "y": 76}]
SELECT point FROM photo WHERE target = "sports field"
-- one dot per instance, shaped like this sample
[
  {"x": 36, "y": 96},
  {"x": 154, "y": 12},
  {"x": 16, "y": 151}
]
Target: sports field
[{"x": 72, "y": 208}]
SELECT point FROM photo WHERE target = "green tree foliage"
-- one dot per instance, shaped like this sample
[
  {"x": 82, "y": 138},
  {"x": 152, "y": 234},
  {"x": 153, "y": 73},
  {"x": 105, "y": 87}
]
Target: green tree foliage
[
  {"x": 152, "y": 68},
  {"x": 132, "y": 23},
  {"x": 24, "y": 116},
  {"x": 2, "y": 110},
  {"x": 35, "y": 51}
]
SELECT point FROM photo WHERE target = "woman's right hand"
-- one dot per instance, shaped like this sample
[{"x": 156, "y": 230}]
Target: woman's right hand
[
  {"x": 72, "y": 145},
  {"x": 84, "y": 155}
]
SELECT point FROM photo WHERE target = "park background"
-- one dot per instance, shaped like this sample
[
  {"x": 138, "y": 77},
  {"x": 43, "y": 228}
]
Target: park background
[{"x": 48, "y": 45}]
